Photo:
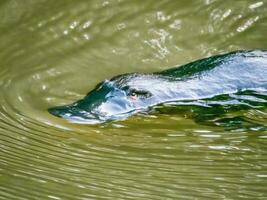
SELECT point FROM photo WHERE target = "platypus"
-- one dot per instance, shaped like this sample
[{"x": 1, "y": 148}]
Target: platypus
[{"x": 127, "y": 94}]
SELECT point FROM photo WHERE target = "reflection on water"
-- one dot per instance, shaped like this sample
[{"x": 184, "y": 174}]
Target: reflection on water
[{"x": 54, "y": 52}]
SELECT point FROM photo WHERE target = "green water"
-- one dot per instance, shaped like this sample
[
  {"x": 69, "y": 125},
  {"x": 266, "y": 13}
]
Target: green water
[{"x": 54, "y": 52}]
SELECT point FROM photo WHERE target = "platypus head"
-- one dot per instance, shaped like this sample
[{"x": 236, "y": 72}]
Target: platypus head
[{"x": 111, "y": 100}]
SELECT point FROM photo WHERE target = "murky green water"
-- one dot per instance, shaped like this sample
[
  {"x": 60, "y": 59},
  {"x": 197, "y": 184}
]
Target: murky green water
[{"x": 54, "y": 52}]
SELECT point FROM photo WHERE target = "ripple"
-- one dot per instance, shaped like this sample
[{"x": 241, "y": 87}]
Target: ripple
[
  {"x": 256, "y": 5},
  {"x": 247, "y": 24}
]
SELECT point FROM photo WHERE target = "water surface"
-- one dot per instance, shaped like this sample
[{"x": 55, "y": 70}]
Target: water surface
[{"x": 54, "y": 52}]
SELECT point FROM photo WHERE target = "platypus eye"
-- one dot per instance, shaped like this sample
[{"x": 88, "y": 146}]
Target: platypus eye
[
  {"x": 133, "y": 94},
  {"x": 139, "y": 93}
]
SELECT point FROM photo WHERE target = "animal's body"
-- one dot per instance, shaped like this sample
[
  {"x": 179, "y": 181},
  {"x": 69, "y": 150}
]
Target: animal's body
[{"x": 127, "y": 94}]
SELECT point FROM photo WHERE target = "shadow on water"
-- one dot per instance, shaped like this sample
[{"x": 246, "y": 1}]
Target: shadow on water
[{"x": 227, "y": 111}]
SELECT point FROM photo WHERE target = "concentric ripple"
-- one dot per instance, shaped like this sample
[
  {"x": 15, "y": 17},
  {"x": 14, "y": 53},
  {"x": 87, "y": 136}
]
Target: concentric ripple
[{"x": 54, "y": 52}]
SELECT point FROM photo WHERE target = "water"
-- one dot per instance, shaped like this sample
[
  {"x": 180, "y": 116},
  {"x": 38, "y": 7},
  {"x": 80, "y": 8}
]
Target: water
[{"x": 54, "y": 52}]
